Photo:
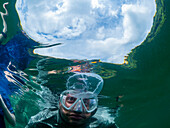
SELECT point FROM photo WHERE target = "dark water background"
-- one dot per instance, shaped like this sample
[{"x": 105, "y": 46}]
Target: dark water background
[{"x": 139, "y": 90}]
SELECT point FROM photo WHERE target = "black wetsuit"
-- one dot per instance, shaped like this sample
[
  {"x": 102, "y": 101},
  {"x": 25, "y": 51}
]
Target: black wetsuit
[{"x": 50, "y": 118}]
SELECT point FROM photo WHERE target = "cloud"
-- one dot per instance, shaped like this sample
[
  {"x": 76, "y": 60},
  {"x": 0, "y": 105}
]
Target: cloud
[{"x": 88, "y": 29}]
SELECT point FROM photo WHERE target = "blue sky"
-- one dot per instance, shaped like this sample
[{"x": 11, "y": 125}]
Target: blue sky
[{"x": 87, "y": 29}]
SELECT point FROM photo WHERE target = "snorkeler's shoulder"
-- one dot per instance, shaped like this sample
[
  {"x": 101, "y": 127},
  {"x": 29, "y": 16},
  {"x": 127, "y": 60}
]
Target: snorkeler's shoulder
[
  {"x": 43, "y": 117},
  {"x": 100, "y": 123}
]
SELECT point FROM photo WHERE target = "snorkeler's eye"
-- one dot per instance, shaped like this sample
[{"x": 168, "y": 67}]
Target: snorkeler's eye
[{"x": 70, "y": 99}]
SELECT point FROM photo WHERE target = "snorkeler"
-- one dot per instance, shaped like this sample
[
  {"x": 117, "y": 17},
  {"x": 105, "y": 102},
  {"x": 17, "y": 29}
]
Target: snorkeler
[
  {"x": 4, "y": 31},
  {"x": 77, "y": 105}
]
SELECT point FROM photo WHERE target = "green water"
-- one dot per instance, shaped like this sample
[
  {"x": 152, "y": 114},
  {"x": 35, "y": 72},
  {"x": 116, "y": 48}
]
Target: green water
[{"x": 143, "y": 83}]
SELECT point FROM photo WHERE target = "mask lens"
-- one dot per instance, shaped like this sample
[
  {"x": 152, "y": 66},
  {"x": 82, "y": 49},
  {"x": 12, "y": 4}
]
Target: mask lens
[
  {"x": 69, "y": 100},
  {"x": 90, "y": 104}
]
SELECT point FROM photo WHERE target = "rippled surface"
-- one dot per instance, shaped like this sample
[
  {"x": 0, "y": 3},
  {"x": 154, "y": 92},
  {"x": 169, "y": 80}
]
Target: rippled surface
[
  {"x": 135, "y": 94},
  {"x": 87, "y": 29}
]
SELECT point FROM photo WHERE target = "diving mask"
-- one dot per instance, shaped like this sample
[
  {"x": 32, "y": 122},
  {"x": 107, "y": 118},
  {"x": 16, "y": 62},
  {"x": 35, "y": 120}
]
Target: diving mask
[{"x": 79, "y": 101}]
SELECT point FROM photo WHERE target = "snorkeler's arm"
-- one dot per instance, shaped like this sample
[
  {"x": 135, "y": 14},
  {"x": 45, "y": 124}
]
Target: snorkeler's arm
[
  {"x": 8, "y": 115},
  {"x": 4, "y": 31}
]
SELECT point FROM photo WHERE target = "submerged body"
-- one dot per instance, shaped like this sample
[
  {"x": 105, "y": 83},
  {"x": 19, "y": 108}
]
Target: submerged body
[
  {"x": 51, "y": 118},
  {"x": 77, "y": 106}
]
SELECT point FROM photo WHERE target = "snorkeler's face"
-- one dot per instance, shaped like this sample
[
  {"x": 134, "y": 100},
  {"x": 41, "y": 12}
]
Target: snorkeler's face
[{"x": 74, "y": 117}]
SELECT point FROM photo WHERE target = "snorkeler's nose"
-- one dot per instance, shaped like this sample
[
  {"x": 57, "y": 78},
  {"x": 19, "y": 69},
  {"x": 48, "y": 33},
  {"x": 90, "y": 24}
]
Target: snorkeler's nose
[{"x": 78, "y": 107}]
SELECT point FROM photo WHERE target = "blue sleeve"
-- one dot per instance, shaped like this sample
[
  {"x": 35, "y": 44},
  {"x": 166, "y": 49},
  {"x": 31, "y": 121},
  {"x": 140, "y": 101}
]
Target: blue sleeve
[{"x": 8, "y": 103}]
